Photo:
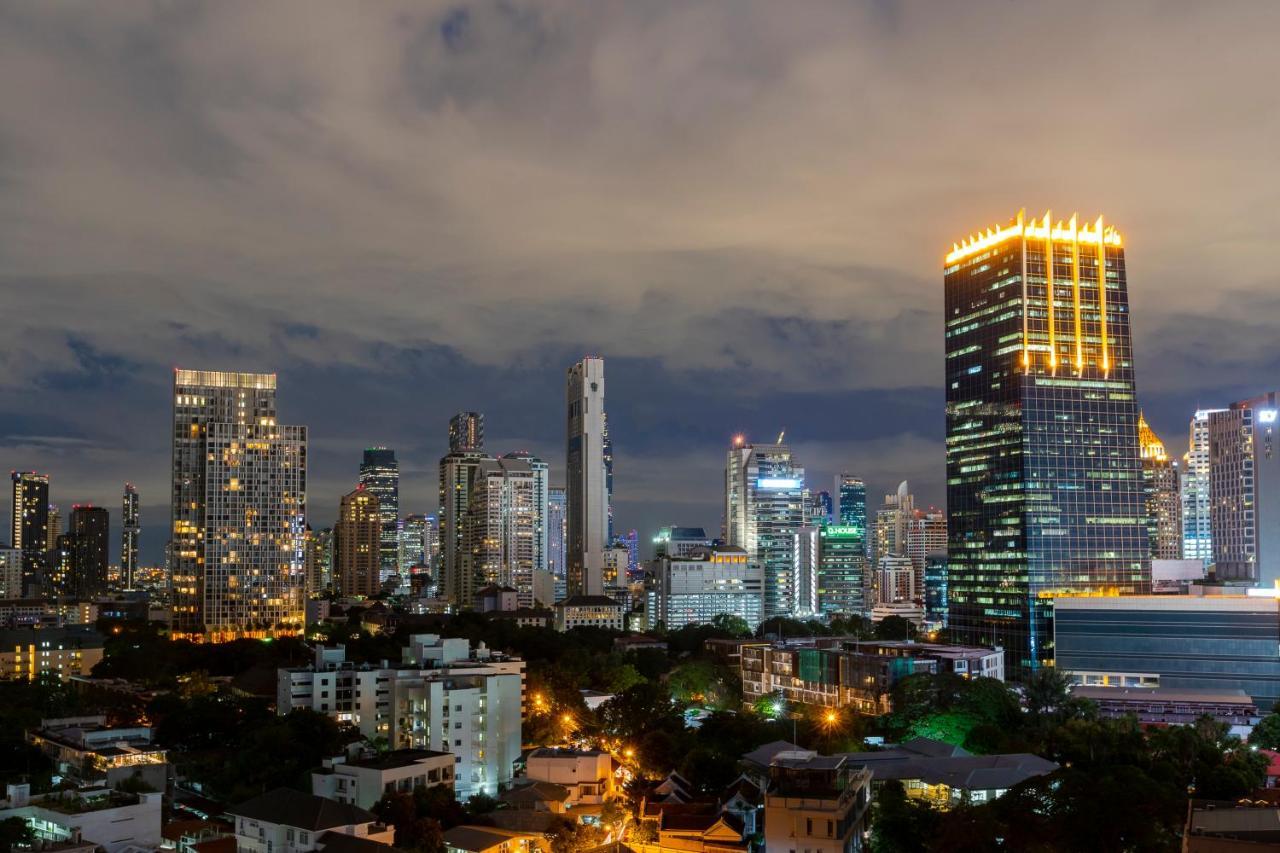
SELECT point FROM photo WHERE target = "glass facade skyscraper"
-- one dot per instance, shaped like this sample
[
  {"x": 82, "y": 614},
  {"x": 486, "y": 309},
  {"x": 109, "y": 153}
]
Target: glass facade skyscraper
[
  {"x": 1044, "y": 477},
  {"x": 129, "y": 530},
  {"x": 1197, "y": 525},
  {"x": 764, "y": 510},
  {"x": 380, "y": 474},
  {"x": 842, "y": 570}
]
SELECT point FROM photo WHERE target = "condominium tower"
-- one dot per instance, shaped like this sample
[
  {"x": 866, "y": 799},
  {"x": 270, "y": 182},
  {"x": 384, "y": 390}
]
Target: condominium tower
[
  {"x": 1197, "y": 524},
  {"x": 505, "y": 533},
  {"x": 239, "y": 503},
  {"x": 1044, "y": 476},
  {"x": 1163, "y": 503},
  {"x": 29, "y": 528},
  {"x": 1244, "y": 490},
  {"x": 357, "y": 544},
  {"x": 586, "y": 478},
  {"x": 457, "y": 477},
  {"x": 129, "y": 531}
]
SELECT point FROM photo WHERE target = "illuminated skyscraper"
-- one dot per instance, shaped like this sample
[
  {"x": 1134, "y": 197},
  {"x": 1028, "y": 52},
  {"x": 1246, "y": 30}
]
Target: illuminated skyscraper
[
  {"x": 1244, "y": 490},
  {"x": 239, "y": 504},
  {"x": 764, "y": 510},
  {"x": 1197, "y": 525},
  {"x": 505, "y": 533},
  {"x": 357, "y": 544},
  {"x": 1160, "y": 485},
  {"x": 129, "y": 531},
  {"x": 1044, "y": 476},
  {"x": 892, "y": 522},
  {"x": 466, "y": 432},
  {"x": 556, "y": 533},
  {"x": 55, "y": 526},
  {"x": 843, "y": 579},
  {"x": 608, "y": 471},
  {"x": 29, "y": 526},
  {"x": 413, "y": 542},
  {"x": 586, "y": 478},
  {"x": 380, "y": 474}
]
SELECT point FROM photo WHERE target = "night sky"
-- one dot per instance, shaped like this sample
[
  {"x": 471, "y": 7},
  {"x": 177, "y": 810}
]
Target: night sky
[{"x": 410, "y": 210}]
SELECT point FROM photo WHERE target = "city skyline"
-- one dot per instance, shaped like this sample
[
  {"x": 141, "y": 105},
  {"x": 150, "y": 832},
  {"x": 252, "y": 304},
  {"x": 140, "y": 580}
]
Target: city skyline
[{"x": 838, "y": 301}]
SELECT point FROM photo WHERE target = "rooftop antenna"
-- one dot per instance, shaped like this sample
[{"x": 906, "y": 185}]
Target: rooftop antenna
[{"x": 782, "y": 435}]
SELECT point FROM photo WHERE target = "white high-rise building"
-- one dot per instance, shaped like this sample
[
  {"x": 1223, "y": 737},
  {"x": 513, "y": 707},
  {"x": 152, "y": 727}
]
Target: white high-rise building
[
  {"x": 764, "y": 510},
  {"x": 238, "y": 561},
  {"x": 1244, "y": 490},
  {"x": 587, "y": 478},
  {"x": 1197, "y": 526},
  {"x": 694, "y": 588},
  {"x": 505, "y": 532},
  {"x": 10, "y": 572}
]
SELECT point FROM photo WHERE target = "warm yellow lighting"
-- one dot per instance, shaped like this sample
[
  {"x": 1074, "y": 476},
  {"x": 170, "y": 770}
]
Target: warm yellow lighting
[
  {"x": 1149, "y": 444},
  {"x": 975, "y": 243}
]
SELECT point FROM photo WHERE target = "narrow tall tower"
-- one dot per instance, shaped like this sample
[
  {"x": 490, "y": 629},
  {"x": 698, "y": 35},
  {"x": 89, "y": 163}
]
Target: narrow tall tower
[
  {"x": 29, "y": 527},
  {"x": 586, "y": 478},
  {"x": 239, "y": 503},
  {"x": 458, "y": 470},
  {"x": 380, "y": 474},
  {"x": 764, "y": 512},
  {"x": 1044, "y": 491},
  {"x": 129, "y": 531}
]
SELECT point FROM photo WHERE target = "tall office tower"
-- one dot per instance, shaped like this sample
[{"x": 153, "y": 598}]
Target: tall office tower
[
  {"x": 822, "y": 508},
  {"x": 607, "y": 451},
  {"x": 935, "y": 589},
  {"x": 1244, "y": 491},
  {"x": 806, "y": 571},
  {"x": 1044, "y": 479},
  {"x": 892, "y": 520},
  {"x": 87, "y": 532},
  {"x": 1197, "y": 525},
  {"x": 557, "y": 531},
  {"x": 505, "y": 528},
  {"x": 239, "y": 506},
  {"x": 586, "y": 479},
  {"x": 1160, "y": 486},
  {"x": 764, "y": 509},
  {"x": 413, "y": 542},
  {"x": 29, "y": 528},
  {"x": 466, "y": 432},
  {"x": 129, "y": 531},
  {"x": 457, "y": 478},
  {"x": 842, "y": 570},
  {"x": 851, "y": 502},
  {"x": 380, "y": 474},
  {"x": 431, "y": 544},
  {"x": 632, "y": 543},
  {"x": 357, "y": 544},
  {"x": 55, "y": 527}
]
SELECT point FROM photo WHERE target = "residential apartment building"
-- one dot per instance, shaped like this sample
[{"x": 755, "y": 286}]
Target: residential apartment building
[
  {"x": 815, "y": 803},
  {"x": 363, "y": 781},
  {"x": 288, "y": 821}
]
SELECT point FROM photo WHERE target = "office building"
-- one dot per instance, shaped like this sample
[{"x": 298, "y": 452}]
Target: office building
[
  {"x": 680, "y": 541},
  {"x": 458, "y": 472},
  {"x": 466, "y": 432},
  {"x": 88, "y": 542},
  {"x": 380, "y": 475},
  {"x": 764, "y": 510},
  {"x": 586, "y": 478},
  {"x": 694, "y": 589},
  {"x": 357, "y": 544},
  {"x": 632, "y": 543},
  {"x": 1244, "y": 491},
  {"x": 442, "y": 696},
  {"x": 130, "y": 529},
  {"x": 413, "y": 542},
  {"x": 1201, "y": 641},
  {"x": 556, "y": 532},
  {"x": 1163, "y": 501},
  {"x": 851, "y": 495},
  {"x": 1044, "y": 477},
  {"x": 1197, "y": 523},
  {"x": 843, "y": 579},
  {"x": 805, "y": 575},
  {"x": 935, "y": 589},
  {"x": 29, "y": 527},
  {"x": 892, "y": 521},
  {"x": 504, "y": 531},
  {"x": 239, "y": 508}
]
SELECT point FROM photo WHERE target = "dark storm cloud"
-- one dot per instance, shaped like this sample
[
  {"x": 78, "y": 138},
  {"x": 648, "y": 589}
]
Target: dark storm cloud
[{"x": 407, "y": 209}]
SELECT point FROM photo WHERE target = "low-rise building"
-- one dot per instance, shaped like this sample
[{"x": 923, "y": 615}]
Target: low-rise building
[
  {"x": 289, "y": 821},
  {"x": 589, "y": 611},
  {"x": 1210, "y": 639},
  {"x": 443, "y": 696},
  {"x": 87, "y": 751},
  {"x": 491, "y": 839},
  {"x": 112, "y": 820},
  {"x": 26, "y": 653},
  {"x": 362, "y": 781},
  {"x": 1166, "y": 706},
  {"x": 1229, "y": 827},
  {"x": 817, "y": 803},
  {"x": 586, "y": 773},
  {"x": 840, "y": 672}
]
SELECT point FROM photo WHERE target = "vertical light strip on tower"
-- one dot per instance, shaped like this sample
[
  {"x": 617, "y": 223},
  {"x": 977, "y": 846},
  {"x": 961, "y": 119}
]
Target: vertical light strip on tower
[
  {"x": 1102, "y": 295},
  {"x": 1048, "y": 289},
  {"x": 1026, "y": 335},
  {"x": 1075, "y": 293}
]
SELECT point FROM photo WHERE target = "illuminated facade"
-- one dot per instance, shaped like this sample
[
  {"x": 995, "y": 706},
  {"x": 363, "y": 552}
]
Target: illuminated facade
[
  {"x": 129, "y": 531},
  {"x": 1160, "y": 485},
  {"x": 505, "y": 534},
  {"x": 842, "y": 570},
  {"x": 29, "y": 527},
  {"x": 1197, "y": 525},
  {"x": 587, "y": 478},
  {"x": 1244, "y": 490},
  {"x": 694, "y": 589},
  {"x": 556, "y": 533},
  {"x": 891, "y": 524},
  {"x": 1044, "y": 476},
  {"x": 380, "y": 474},
  {"x": 764, "y": 510},
  {"x": 457, "y": 477},
  {"x": 851, "y": 500},
  {"x": 466, "y": 432},
  {"x": 357, "y": 541},
  {"x": 237, "y": 558}
]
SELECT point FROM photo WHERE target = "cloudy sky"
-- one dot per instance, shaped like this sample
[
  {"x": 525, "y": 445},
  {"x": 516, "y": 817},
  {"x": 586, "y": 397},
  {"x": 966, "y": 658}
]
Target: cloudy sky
[{"x": 408, "y": 210}]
